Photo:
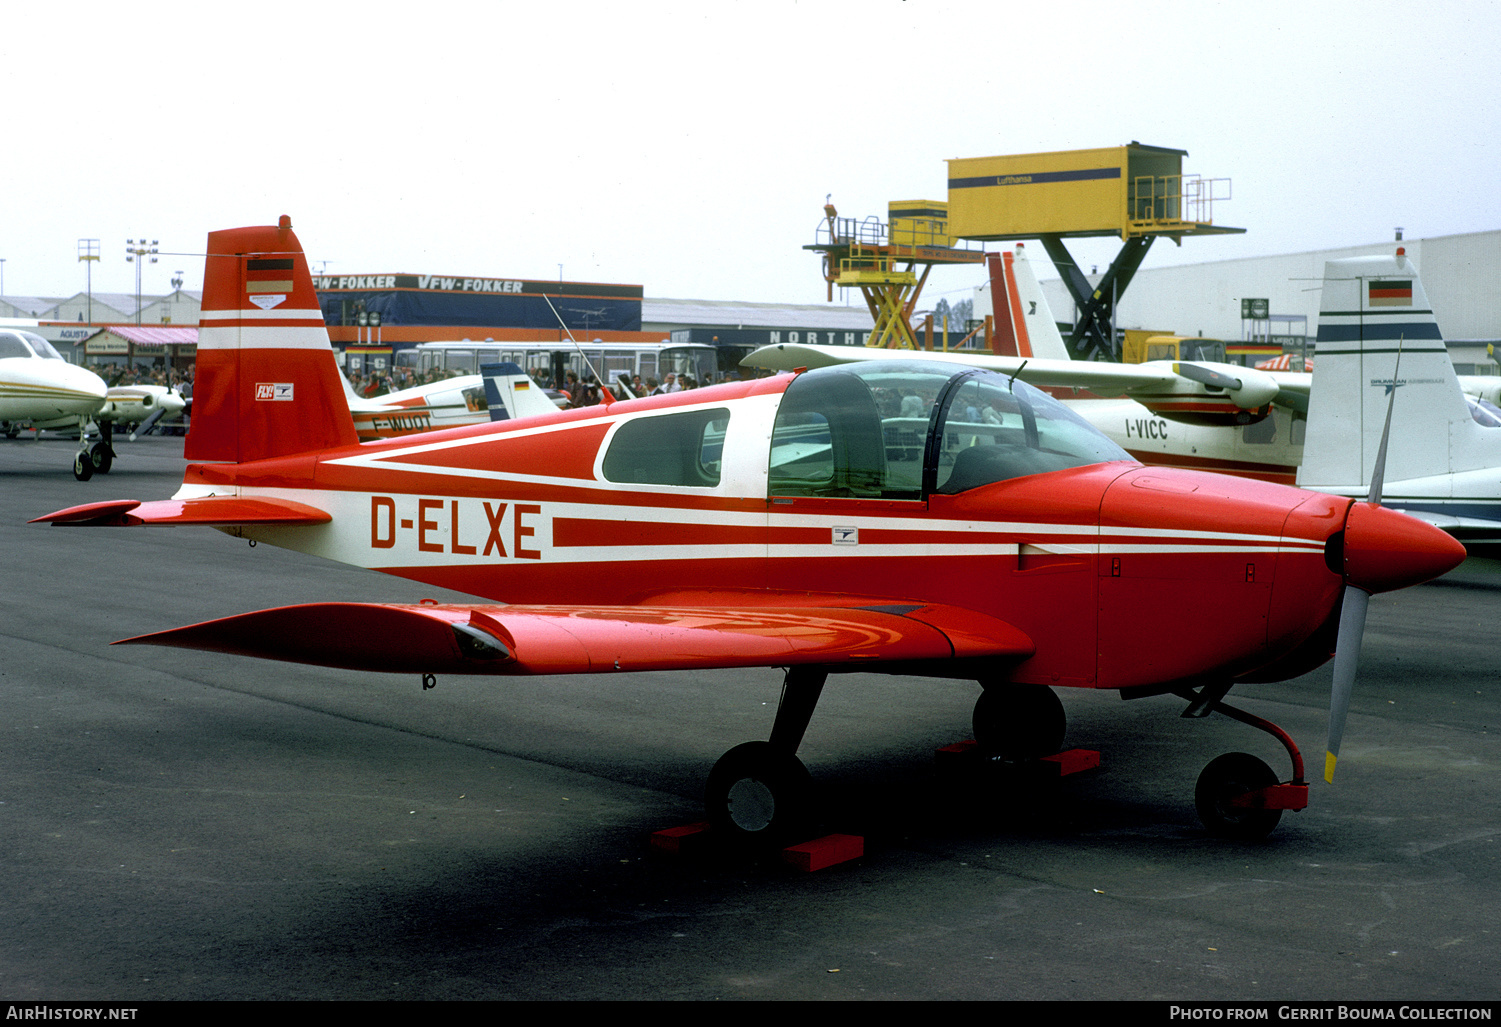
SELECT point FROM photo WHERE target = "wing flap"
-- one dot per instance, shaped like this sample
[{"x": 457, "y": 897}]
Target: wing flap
[
  {"x": 457, "y": 638},
  {"x": 206, "y": 510}
]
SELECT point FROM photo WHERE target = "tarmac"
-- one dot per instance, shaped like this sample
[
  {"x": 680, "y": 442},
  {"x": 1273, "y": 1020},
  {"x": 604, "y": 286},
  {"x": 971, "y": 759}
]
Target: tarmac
[{"x": 184, "y": 826}]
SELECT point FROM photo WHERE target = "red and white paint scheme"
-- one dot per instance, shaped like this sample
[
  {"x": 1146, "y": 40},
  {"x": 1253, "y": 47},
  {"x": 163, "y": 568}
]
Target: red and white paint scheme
[{"x": 907, "y": 517}]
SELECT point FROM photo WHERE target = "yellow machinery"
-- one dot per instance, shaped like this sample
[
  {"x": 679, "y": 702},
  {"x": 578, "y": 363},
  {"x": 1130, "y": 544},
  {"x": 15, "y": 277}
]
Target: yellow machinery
[
  {"x": 1135, "y": 191},
  {"x": 889, "y": 261},
  {"x": 1140, "y": 346}
]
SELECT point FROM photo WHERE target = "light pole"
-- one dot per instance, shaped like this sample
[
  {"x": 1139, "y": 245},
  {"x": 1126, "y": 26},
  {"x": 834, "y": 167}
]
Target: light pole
[
  {"x": 88, "y": 252},
  {"x": 177, "y": 281},
  {"x": 137, "y": 252}
]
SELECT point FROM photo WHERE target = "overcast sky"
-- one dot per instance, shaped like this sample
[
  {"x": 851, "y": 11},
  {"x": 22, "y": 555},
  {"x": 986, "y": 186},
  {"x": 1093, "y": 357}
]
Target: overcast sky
[{"x": 688, "y": 147}]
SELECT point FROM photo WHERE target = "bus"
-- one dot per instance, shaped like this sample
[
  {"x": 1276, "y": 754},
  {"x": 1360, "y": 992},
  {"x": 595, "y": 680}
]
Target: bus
[{"x": 549, "y": 362}]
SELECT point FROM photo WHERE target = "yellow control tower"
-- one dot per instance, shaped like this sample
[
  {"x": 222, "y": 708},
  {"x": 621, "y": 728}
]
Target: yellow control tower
[
  {"x": 889, "y": 261},
  {"x": 1135, "y": 191}
]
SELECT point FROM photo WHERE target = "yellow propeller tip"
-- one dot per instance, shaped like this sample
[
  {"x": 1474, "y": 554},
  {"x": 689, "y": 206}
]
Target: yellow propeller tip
[{"x": 1329, "y": 759}]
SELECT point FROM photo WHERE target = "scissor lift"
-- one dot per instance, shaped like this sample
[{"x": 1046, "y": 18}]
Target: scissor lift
[
  {"x": 1135, "y": 191},
  {"x": 889, "y": 261}
]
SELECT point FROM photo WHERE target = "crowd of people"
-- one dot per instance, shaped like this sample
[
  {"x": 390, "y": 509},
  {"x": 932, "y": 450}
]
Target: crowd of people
[
  {"x": 579, "y": 392},
  {"x": 139, "y": 374}
]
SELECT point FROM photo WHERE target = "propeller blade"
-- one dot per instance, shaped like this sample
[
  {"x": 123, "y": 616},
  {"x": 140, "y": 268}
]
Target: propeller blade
[
  {"x": 1352, "y": 613},
  {"x": 1378, "y": 473},
  {"x": 1206, "y": 376},
  {"x": 145, "y": 426},
  {"x": 1346, "y": 657}
]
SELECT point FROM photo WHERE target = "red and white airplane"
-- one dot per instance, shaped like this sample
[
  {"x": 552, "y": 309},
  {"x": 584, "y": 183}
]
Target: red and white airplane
[{"x": 912, "y": 518}]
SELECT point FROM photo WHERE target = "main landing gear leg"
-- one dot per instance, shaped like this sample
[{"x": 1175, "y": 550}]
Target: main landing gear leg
[
  {"x": 760, "y": 794},
  {"x": 1238, "y": 796}
]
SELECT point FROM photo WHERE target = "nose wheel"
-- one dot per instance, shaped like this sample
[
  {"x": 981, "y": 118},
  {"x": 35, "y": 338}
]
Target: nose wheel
[
  {"x": 1237, "y": 795},
  {"x": 1228, "y": 797},
  {"x": 98, "y": 458},
  {"x": 102, "y": 457}
]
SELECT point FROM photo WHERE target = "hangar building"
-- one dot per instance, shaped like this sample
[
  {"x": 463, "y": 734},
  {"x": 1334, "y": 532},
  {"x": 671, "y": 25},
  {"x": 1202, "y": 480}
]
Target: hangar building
[{"x": 1459, "y": 274}]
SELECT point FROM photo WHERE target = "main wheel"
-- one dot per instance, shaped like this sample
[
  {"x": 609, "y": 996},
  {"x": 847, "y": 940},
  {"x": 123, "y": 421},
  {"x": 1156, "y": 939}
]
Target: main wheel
[
  {"x": 1019, "y": 722},
  {"x": 102, "y": 457},
  {"x": 83, "y": 467},
  {"x": 758, "y": 795},
  {"x": 1226, "y": 777}
]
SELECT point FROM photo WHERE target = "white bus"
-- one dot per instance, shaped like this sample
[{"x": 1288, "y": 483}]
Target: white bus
[{"x": 548, "y": 362}]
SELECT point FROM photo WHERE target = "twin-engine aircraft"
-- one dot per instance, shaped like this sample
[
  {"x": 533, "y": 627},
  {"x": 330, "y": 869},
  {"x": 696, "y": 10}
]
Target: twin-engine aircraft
[
  {"x": 916, "y": 518},
  {"x": 142, "y": 406},
  {"x": 40, "y": 389}
]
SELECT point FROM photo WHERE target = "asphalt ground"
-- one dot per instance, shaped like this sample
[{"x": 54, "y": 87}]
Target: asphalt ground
[{"x": 179, "y": 826}]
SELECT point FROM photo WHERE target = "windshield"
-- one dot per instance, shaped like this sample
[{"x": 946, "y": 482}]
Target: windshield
[
  {"x": 995, "y": 428},
  {"x": 27, "y": 345},
  {"x": 40, "y": 346},
  {"x": 904, "y": 429},
  {"x": 1484, "y": 412}
]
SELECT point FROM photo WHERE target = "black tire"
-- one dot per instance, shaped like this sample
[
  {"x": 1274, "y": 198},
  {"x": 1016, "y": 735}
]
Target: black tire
[
  {"x": 759, "y": 796},
  {"x": 1019, "y": 722},
  {"x": 1225, "y": 778},
  {"x": 102, "y": 457},
  {"x": 83, "y": 467}
]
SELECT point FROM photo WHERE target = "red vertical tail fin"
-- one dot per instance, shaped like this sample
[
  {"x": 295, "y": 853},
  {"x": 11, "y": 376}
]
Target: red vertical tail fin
[
  {"x": 1011, "y": 338},
  {"x": 265, "y": 383}
]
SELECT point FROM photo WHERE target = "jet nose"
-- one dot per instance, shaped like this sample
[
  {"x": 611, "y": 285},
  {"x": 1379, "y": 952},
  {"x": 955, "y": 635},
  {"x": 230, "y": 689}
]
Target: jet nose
[{"x": 1385, "y": 550}]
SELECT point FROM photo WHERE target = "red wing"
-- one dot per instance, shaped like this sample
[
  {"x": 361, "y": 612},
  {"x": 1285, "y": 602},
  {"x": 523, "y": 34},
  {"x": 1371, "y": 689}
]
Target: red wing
[{"x": 576, "y": 640}]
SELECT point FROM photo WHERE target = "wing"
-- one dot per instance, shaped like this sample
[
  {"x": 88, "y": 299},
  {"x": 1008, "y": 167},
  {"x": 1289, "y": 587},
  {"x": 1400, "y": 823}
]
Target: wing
[
  {"x": 1162, "y": 385},
  {"x": 521, "y": 640}
]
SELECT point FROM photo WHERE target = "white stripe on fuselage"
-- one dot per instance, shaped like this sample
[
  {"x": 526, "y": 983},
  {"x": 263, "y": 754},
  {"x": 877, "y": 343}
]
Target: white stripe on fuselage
[{"x": 391, "y": 529}]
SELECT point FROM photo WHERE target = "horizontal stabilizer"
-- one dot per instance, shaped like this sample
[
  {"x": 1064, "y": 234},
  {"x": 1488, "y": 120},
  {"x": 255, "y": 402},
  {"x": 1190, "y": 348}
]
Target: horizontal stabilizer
[
  {"x": 354, "y": 636},
  {"x": 445, "y": 638},
  {"x": 211, "y": 511}
]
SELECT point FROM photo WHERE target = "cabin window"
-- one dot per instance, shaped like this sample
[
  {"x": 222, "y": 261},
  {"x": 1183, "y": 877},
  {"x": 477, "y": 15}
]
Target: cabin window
[
  {"x": 13, "y": 346},
  {"x": 1262, "y": 432},
  {"x": 856, "y": 432},
  {"x": 1299, "y": 429},
  {"x": 905, "y": 429},
  {"x": 669, "y": 449}
]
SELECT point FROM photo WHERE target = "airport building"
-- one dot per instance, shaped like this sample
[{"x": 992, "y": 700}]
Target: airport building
[{"x": 1459, "y": 272}]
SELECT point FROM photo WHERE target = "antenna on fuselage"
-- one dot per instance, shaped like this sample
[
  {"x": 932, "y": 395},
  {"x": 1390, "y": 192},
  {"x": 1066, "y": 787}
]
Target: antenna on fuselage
[
  {"x": 1012, "y": 380},
  {"x": 582, "y": 356}
]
